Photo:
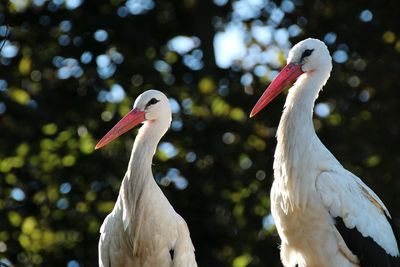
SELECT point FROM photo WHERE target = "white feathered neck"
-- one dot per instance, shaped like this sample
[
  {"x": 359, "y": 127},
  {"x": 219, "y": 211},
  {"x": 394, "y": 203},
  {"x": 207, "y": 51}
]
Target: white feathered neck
[
  {"x": 298, "y": 148},
  {"x": 139, "y": 177}
]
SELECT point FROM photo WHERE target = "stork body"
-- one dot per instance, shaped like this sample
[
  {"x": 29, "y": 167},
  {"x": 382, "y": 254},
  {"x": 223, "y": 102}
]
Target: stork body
[
  {"x": 325, "y": 215},
  {"x": 143, "y": 230}
]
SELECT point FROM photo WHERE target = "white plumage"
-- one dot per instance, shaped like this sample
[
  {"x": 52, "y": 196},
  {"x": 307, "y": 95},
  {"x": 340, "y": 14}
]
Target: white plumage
[
  {"x": 143, "y": 230},
  {"x": 325, "y": 215}
]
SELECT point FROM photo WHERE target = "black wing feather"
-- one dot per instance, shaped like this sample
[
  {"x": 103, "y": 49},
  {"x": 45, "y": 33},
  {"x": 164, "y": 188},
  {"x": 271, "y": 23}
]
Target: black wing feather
[{"x": 369, "y": 253}]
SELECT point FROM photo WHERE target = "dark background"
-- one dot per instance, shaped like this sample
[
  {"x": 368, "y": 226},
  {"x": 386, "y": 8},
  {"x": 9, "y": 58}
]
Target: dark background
[{"x": 69, "y": 69}]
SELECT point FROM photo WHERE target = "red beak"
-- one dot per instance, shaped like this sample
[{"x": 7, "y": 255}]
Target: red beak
[
  {"x": 130, "y": 120},
  {"x": 286, "y": 77}
]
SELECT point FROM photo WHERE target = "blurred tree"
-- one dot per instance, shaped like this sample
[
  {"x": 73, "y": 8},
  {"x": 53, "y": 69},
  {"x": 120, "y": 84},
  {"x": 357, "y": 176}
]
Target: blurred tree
[{"x": 71, "y": 68}]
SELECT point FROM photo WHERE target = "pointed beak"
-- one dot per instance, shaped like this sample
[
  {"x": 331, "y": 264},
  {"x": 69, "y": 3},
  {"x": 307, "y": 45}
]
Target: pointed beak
[
  {"x": 285, "y": 78},
  {"x": 130, "y": 120}
]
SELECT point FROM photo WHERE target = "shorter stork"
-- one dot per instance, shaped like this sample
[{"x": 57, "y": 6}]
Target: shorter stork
[
  {"x": 143, "y": 229},
  {"x": 325, "y": 215}
]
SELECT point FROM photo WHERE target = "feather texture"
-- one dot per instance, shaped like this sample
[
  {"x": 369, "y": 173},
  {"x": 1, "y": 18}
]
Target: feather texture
[
  {"x": 325, "y": 215},
  {"x": 143, "y": 227},
  {"x": 342, "y": 193},
  {"x": 369, "y": 253}
]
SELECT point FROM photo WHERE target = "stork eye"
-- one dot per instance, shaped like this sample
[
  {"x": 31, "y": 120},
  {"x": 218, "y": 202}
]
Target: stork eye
[
  {"x": 152, "y": 102},
  {"x": 306, "y": 53}
]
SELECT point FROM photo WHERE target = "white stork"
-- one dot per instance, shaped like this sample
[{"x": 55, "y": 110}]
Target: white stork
[
  {"x": 143, "y": 230},
  {"x": 324, "y": 214}
]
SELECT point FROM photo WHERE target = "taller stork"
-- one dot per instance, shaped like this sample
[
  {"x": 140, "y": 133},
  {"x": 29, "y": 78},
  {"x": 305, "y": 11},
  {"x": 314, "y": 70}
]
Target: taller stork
[
  {"x": 143, "y": 229},
  {"x": 325, "y": 215}
]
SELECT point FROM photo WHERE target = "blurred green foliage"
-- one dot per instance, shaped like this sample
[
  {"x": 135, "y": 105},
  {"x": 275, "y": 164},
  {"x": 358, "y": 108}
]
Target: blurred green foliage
[{"x": 70, "y": 69}]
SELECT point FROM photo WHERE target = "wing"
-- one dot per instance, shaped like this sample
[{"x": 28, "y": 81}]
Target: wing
[
  {"x": 183, "y": 253},
  {"x": 105, "y": 242},
  {"x": 114, "y": 244},
  {"x": 361, "y": 218}
]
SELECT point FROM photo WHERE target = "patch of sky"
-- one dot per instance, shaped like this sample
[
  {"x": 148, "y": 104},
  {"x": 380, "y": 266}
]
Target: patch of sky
[
  {"x": 100, "y": 35},
  {"x": 176, "y": 125},
  {"x": 168, "y": 149},
  {"x": 68, "y": 67},
  {"x": 366, "y": 15},
  {"x": 3, "y": 85},
  {"x": 287, "y": 6},
  {"x": 64, "y": 40},
  {"x": 271, "y": 57},
  {"x": 103, "y": 61},
  {"x": 260, "y": 70},
  {"x": 18, "y": 194},
  {"x": 116, "y": 56},
  {"x": 294, "y": 30},
  {"x": 123, "y": 11},
  {"x": 340, "y": 56},
  {"x": 3, "y": 108},
  {"x": 263, "y": 34},
  {"x": 330, "y": 38},
  {"x": 86, "y": 57},
  {"x": 190, "y": 156},
  {"x": 322, "y": 110},
  {"x": 115, "y": 95},
  {"x": 105, "y": 67},
  {"x": 137, "y": 7},
  {"x": 281, "y": 36},
  {"x": 20, "y": 5},
  {"x": 65, "y": 188},
  {"x": 175, "y": 108},
  {"x": 276, "y": 16},
  {"x": 220, "y": 2},
  {"x": 364, "y": 96},
  {"x": 183, "y": 44},
  {"x": 268, "y": 222},
  {"x": 187, "y": 104},
  {"x": 39, "y": 3},
  {"x": 229, "y": 45},
  {"x": 168, "y": 79},
  {"x": 247, "y": 9},
  {"x": 246, "y": 79},
  {"x": 9, "y": 50},
  {"x": 73, "y": 4},
  {"x": 271, "y": 75},
  {"x": 73, "y": 263},
  {"x": 162, "y": 66},
  {"x": 65, "y": 25},
  {"x": 4, "y": 30},
  {"x": 62, "y": 203},
  {"x": 32, "y": 104},
  {"x": 193, "y": 61},
  {"x": 173, "y": 176},
  {"x": 252, "y": 57}
]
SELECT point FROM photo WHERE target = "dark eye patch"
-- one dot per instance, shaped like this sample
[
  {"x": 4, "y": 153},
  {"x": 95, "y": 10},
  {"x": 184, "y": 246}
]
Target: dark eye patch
[
  {"x": 306, "y": 53},
  {"x": 152, "y": 102}
]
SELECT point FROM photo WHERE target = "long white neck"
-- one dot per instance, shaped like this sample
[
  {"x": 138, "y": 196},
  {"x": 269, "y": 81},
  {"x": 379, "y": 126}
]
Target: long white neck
[
  {"x": 139, "y": 176},
  {"x": 299, "y": 105},
  {"x": 297, "y": 141},
  {"x": 145, "y": 146}
]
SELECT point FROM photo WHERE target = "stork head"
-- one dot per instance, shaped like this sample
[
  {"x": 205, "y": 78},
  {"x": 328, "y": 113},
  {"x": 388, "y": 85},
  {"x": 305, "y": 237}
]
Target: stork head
[
  {"x": 150, "y": 106},
  {"x": 308, "y": 56}
]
